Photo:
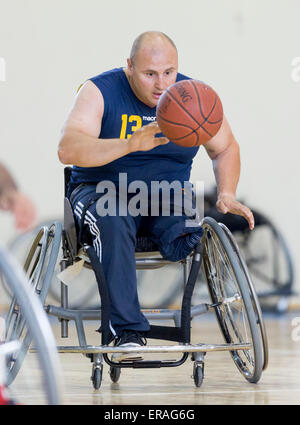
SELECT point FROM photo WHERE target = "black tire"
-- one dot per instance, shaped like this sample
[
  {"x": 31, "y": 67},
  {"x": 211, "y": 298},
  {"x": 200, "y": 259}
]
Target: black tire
[
  {"x": 228, "y": 289},
  {"x": 198, "y": 374},
  {"x": 114, "y": 373},
  {"x": 39, "y": 267},
  {"x": 97, "y": 377},
  {"x": 253, "y": 296}
]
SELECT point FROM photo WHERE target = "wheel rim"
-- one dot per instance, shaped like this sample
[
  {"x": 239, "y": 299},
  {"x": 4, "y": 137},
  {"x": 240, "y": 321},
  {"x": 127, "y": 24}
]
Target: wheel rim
[
  {"x": 38, "y": 268},
  {"x": 29, "y": 321},
  {"x": 253, "y": 296},
  {"x": 16, "y": 326},
  {"x": 225, "y": 293}
]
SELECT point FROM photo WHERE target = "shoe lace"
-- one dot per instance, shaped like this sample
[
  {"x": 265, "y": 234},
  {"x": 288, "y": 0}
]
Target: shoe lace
[{"x": 128, "y": 335}]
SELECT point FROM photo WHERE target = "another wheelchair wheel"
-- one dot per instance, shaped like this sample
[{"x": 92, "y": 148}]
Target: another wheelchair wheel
[
  {"x": 27, "y": 316},
  {"x": 229, "y": 292},
  {"x": 83, "y": 293},
  {"x": 253, "y": 296},
  {"x": 153, "y": 293},
  {"x": 39, "y": 268},
  {"x": 269, "y": 262},
  {"x": 267, "y": 255}
]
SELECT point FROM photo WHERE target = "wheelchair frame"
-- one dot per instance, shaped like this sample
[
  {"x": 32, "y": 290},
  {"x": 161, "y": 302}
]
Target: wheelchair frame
[{"x": 181, "y": 332}]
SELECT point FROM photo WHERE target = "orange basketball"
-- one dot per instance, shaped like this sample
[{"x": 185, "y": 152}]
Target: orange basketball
[{"x": 189, "y": 113}]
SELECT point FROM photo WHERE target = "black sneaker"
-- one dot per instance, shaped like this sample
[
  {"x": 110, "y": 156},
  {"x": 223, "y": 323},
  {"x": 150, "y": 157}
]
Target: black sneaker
[{"x": 129, "y": 338}]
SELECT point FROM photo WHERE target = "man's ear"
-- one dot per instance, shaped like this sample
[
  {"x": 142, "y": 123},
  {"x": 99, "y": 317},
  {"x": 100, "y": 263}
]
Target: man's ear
[{"x": 129, "y": 65}]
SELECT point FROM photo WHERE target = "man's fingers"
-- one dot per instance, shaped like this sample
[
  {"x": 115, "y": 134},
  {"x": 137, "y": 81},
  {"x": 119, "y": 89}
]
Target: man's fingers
[
  {"x": 238, "y": 209},
  {"x": 162, "y": 140},
  {"x": 221, "y": 207},
  {"x": 250, "y": 218},
  {"x": 154, "y": 127},
  {"x": 246, "y": 213}
]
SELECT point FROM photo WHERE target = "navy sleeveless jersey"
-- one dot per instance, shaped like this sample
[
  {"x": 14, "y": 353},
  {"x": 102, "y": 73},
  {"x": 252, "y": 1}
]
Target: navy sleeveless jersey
[{"x": 123, "y": 114}]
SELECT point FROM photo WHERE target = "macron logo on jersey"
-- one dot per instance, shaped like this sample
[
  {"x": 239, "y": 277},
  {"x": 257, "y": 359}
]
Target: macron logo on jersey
[{"x": 149, "y": 118}]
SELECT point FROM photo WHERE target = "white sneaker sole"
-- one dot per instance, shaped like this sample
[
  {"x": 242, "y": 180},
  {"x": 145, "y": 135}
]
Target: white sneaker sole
[{"x": 119, "y": 357}]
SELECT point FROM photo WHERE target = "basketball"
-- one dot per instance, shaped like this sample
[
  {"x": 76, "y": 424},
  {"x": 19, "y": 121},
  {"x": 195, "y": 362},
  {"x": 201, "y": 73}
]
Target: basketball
[{"x": 189, "y": 113}]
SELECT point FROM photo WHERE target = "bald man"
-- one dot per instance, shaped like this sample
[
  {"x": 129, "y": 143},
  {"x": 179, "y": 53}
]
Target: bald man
[{"x": 111, "y": 136}]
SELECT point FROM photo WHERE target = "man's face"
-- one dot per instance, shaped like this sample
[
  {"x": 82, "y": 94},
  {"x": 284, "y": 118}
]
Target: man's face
[{"x": 153, "y": 71}]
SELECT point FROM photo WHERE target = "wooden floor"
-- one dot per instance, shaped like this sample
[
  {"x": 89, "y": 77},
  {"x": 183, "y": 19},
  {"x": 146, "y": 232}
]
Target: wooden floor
[{"x": 223, "y": 384}]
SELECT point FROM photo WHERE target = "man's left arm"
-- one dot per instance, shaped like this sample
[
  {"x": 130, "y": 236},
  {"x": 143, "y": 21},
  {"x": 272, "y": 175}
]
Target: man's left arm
[{"x": 224, "y": 152}]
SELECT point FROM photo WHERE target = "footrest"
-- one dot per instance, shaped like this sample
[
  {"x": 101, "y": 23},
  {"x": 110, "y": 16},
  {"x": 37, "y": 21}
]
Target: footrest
[
  {"x": 188, "y": 348},
  {"x": 147, "y": 364}
]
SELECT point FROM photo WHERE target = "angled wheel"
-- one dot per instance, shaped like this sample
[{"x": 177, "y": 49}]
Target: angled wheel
[
  {"x": 27, "y": 321},
  {"x": 229, "y": 292},
  {"x": 39, "y": 268},
  {"x": 84, "y": 288},
  {"x": 253, "y": 296}
]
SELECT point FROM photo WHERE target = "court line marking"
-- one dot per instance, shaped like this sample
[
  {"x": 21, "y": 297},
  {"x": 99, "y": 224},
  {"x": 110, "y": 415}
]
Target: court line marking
[
  {"x": 109, "y": 394},
  {"x": 196, "y": 392}
]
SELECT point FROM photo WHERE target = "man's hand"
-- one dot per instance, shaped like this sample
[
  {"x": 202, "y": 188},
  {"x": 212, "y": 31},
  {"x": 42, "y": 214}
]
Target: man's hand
[
  {"x": 144, "y": 138},
  {"x": 228, "y": 203}
]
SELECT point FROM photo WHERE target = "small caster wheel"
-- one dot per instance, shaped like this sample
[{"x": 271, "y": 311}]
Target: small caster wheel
[
  {"x": 114, "y": 373},
  {"x": 198, "y": 374},
  {"x": 97, "y": 377}
]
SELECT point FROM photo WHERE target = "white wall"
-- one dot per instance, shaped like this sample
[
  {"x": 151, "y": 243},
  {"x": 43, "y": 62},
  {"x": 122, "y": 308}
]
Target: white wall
[{"x": 243, "y": 48}]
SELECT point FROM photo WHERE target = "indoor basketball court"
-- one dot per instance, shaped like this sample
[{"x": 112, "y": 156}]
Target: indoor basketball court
[
  {"x": 222, "y": 384},
  {"x": 224, "y": 312}
]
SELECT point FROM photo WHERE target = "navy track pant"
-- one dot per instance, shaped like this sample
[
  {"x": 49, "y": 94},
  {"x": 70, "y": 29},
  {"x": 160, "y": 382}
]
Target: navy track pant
[{"x": 114, "y": 240}]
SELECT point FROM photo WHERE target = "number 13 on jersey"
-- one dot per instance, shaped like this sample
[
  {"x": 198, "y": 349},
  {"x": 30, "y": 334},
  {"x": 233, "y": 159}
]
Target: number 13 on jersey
[{"x": 130, "y": 125}]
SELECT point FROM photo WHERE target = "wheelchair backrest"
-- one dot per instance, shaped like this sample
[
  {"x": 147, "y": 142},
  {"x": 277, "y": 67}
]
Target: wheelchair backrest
[
  {"x": 69, "y": 221},
  {"x": 67, "y": 173}
]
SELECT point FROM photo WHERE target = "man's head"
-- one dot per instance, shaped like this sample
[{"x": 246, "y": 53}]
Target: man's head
[{"x": 152, "y": 66}]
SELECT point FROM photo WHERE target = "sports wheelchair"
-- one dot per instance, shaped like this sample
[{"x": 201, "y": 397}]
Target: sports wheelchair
[{"x": 232, "y": 298}]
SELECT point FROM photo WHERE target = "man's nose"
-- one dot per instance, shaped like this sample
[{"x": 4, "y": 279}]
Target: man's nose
[{"x": 159, "y": 84}]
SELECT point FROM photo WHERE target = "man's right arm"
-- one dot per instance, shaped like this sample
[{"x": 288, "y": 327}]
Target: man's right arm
[{"x": 79, "y": 144}]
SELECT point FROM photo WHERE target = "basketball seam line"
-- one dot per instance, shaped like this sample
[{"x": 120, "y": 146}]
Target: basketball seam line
[
  {"x": 186, "y": 125},
  {"x": 200, "y": 125},
  {"x": 182, "y": 125},
  {"x": 200, "y": 106}
]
